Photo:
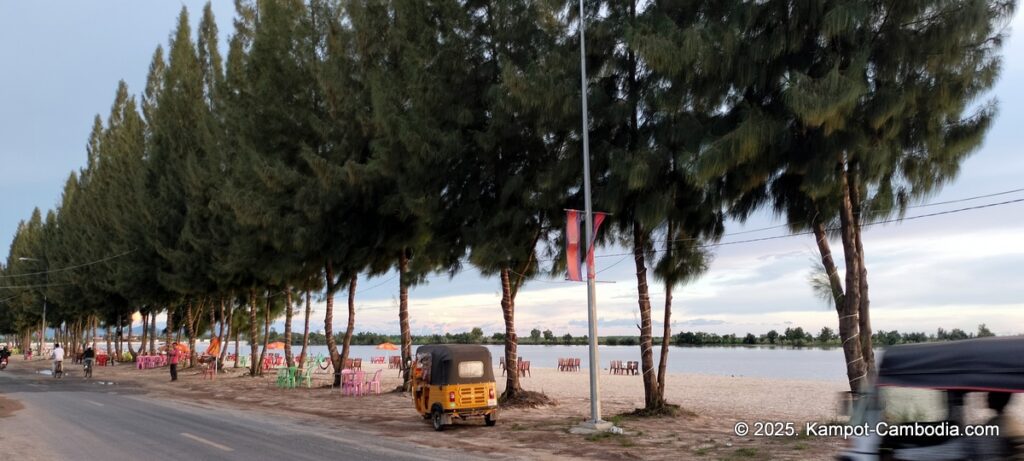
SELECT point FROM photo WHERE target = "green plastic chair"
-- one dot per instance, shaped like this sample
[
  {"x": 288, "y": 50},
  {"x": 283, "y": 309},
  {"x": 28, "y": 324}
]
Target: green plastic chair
[
  {"x": 293, "y": 372},
  {"x": 305, "y": 376},
  {"x": 243, "y": 361},
  {"x": 282, "y": 378}
]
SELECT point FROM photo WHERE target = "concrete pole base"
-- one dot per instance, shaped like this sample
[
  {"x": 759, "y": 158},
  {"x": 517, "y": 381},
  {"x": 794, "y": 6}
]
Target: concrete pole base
[{"x": 591, "y": 427}]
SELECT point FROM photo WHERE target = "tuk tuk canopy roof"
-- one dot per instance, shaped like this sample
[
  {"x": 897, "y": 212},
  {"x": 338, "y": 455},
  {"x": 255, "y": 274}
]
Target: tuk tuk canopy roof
[
  {"x": 987, "y": 364},
  {"x": 445, "y": 359}
]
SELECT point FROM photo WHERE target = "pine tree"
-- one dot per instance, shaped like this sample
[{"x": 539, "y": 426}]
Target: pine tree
[
  {"x": 421, "y": 86},
  {"x": 517, "y": 188},
  {"x": 825, "y": 94}
]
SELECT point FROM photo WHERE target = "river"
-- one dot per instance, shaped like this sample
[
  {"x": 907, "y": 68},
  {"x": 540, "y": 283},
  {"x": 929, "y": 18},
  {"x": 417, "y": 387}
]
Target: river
[{"x": 761, "y": 361}]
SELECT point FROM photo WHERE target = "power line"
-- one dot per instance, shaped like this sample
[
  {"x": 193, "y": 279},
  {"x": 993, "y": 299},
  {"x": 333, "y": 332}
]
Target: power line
[
  {"x": 68, "y": 268},
  {"x": 922, "y": 205},
  {"x": 378, "y": 285},
  {"x": 875, "y": 223},
  {"x": 947, "y": 202},
  {"x": 26, "y": 287}
]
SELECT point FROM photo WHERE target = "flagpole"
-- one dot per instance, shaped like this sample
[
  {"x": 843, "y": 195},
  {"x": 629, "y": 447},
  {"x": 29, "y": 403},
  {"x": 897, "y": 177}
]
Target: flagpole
[{"x": 595, "y": 400}]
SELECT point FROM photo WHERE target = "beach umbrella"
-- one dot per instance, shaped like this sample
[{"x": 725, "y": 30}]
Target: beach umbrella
[
  {"x": 276, "y": 345},
  {"x": 214, "y": 348},
  {"x": 387, "y": 347}
]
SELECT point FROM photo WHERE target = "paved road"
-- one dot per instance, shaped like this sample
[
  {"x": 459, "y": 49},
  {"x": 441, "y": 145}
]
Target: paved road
[{"x": 73, "y": 419}]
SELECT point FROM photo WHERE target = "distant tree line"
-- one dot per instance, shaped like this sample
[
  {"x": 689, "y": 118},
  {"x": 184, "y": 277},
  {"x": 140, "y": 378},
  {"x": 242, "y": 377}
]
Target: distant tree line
[
  {"x": 795, "y": 337},
  {"x": 827, "y": 337}
]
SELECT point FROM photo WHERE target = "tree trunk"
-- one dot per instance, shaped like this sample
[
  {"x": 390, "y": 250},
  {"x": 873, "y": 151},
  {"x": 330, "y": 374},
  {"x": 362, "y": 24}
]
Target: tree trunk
[
  {"x": 508, "y": 310},
  {"x": 651, "y": 398},
  {"x": 288, "y": 327},
  {"x": 821, "y": 238},
  {"x": 213, "y": 326},
  {"x": 332, "y": 346},
  {"x": 235, "y": 365},
  {"x": 305, "y": 331},
  {"x": 152, "y": 332},
  {"x": 666, "y": 339},
  {"x": 145, "y": 333},
  {"x": 253, "y": 333},
  {"x": 108, "y": 339},
  {"x": 403, "y": 317},
  {"x": 131, "y": 327},
  {"x": 225, "y": 331},
  {"x": 72, "y": 336},
  {"x": 266, "y": 331},
  {"x": 849, "y": 317},
  {"x": 191, "y": 332},
  {"x": 115, "y": 352},
  {"x": 666, "y": 334},
  {"x": 865, "y": 303},
  {"x": 170, "y": 325},
  {"x": 350, "y": 327}
]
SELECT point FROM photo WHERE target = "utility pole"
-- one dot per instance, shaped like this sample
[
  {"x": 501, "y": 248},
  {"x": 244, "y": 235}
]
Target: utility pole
[{"x": 595, "y": 423}]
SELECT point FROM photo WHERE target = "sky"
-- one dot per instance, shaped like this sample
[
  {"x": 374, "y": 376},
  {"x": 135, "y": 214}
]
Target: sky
[{"x": 61, "y": 61}]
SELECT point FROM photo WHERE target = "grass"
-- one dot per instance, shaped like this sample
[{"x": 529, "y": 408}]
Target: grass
[
  {"x": 746, "y": 452},
  {"x": 622, "y": 440},
  {"x": 741, "y": 454}
]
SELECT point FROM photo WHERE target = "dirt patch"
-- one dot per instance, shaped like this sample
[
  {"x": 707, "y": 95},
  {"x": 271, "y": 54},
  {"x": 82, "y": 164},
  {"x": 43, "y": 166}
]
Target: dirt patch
[
  {"x": 527, "y": 399},
  {"x": 9, "y": 406}
]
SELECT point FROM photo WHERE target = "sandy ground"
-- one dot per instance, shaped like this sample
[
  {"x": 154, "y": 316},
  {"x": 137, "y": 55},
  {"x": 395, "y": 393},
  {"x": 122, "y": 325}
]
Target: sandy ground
[{"x": 712, "y": 406}]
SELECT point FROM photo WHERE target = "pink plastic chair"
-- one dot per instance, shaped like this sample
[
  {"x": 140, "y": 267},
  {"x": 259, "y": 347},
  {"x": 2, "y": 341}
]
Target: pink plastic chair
[
  {"x": 352, "y": 383},
  {"x": 373, "y": 385}
]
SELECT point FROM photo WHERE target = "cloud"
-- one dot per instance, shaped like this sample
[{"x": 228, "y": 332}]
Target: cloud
[{"x": 703, "y": 322}]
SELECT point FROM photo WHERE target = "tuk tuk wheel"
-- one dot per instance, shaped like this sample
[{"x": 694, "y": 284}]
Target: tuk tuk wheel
[
  {"x": 437, "y": 418},
  {"x": 490, "y": 420}
]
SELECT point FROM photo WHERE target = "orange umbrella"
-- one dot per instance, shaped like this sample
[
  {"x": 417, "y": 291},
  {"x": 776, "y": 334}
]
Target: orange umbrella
[
  {"x": 214, "y": 348},
  {"x": 387, "y": 347},
  {"x": 276, "y": 345}
]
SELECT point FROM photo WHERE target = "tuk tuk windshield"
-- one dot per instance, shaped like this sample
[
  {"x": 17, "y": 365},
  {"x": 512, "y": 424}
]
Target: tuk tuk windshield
[
  {"x": 903, "y": 405},
  {"x": 473, "y": 369}
]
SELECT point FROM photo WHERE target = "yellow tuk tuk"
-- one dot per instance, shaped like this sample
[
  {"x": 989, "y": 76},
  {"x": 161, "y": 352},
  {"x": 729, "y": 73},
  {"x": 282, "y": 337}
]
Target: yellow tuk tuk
[{"x": 452, "y": 381}]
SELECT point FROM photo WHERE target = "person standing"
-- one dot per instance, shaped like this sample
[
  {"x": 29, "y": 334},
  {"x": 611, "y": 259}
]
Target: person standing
[{"x": 172, "y": 358}]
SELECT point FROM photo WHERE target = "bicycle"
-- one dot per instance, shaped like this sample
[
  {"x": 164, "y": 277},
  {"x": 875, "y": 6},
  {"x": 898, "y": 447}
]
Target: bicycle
[
  {"x": 58, "y": 370},
  {"x": 87, "y": 367}
]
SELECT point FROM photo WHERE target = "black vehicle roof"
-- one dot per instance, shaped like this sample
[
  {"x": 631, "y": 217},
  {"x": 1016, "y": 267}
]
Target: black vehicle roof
[
  {"x": 444, "y": 355},
  {"x": 985, "y": 364}
]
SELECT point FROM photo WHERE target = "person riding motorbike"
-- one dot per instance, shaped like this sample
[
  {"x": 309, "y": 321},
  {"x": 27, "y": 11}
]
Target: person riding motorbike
[
  {"x": 5, "y": 354},
  {"x": 58, "y": 360}
]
